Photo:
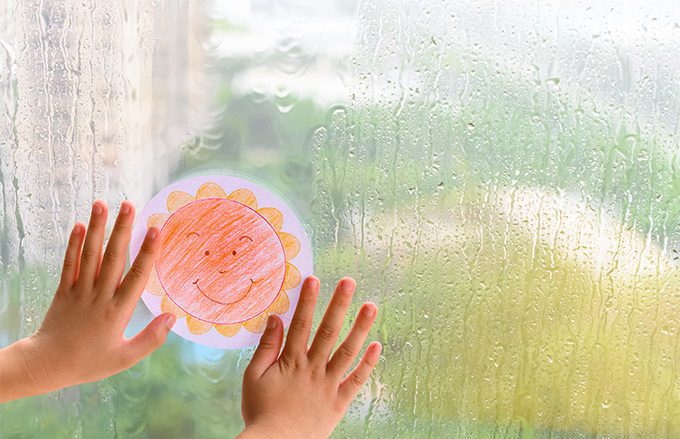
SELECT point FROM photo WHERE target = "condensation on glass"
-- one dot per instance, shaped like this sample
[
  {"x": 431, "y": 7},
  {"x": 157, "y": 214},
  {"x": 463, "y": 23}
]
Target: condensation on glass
[{"x": 502, "y": 178}]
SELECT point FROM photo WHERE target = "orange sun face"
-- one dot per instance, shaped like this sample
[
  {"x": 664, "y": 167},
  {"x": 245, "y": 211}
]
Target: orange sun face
[
  {"x": 221, "y": 261},
  {"x": 226, "y": 263}
]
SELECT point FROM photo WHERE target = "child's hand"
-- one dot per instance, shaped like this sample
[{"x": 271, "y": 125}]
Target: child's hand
[
  {"x": 301, "y": 393},
  {"x": 81, "y": 338}
]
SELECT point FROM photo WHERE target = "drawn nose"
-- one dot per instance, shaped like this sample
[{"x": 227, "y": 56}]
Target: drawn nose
[{"x": 207, "y": 252}]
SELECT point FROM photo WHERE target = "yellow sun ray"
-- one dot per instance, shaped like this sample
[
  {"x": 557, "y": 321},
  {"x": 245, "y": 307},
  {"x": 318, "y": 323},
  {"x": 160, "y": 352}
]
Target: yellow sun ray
[
  {"x": 292, "y": 278},
  {"x": 210, "y": 190},
  {"x": 280, "y": 305},
  {"x": 291, "y": 245},
  {"x": 197, "y": 326},
  {"x": 273, "y": 217},
  {"x": 153, "y": 285},
  {"x": 228, "y": 330},
  {"x": 244, "y": 196},
  {"x": 256, "y": 324},
  {"x": 157, "y": 220},
  {"x": 167, "y": 305},
  {"x": 178, "y": 199}
]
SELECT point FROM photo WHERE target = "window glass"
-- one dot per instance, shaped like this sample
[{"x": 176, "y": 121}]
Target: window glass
[{"x": 502, "y": 179}]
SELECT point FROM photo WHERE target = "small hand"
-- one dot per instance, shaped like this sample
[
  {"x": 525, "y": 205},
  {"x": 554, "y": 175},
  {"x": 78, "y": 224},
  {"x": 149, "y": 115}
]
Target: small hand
[
  {"x": 301, "y": 392},
  {"x": 81, "y": 338}
]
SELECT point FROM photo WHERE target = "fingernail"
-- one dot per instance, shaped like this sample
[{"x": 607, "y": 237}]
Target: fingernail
[
  {"x": 271, "y": 322},
  {"x": 313, "y": 282},
  {"x": 96, "y": 208},
  {"x": 347, "y": 283},
  {"x": 124, "y": 208},
  {"x": 77, "y": 229},
  {"x": 153, "y": 233},
  {"x": 170, "y": 320},
  {"x": 370, "y": 310}
]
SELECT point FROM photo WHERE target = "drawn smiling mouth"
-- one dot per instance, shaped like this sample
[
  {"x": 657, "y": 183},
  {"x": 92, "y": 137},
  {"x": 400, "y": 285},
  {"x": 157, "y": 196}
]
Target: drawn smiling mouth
[{"x": 252, "y": 282}]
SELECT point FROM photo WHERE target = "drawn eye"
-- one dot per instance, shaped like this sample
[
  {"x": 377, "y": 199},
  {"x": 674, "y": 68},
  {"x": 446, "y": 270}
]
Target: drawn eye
[
  {"x": 207, "y": 252},
  {"x": 245, "y": 237},
  {"x": 193, "y": 233},
  {"x": 233, "y": 252}
]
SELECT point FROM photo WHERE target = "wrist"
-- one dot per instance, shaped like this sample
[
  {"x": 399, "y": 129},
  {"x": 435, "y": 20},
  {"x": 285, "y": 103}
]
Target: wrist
[
  {"x": 41, "y": 365},
  {"x": 24, "y": 371}
]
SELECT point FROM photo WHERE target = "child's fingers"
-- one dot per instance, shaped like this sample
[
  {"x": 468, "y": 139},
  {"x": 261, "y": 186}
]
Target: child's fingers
[
  {"x": 349, "y": 349},
  {"x": 301, "y": 325},
  {"x": 69, "y": 272},
  {"x": 92, "y": 249},
  {"x": 135, "y": 279},
  {"x": 113, "y": 262},
  {"x": 352, "y": 384},
  {"x": 268, "y": 350},
  {"x": 148, "y": 340},
  {"x": 329, "y": 329}
]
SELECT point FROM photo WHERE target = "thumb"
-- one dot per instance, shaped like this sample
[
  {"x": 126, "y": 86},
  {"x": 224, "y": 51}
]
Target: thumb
[
  {"x": 150, "y": 338},
  {"x": 268, "y": 350}
]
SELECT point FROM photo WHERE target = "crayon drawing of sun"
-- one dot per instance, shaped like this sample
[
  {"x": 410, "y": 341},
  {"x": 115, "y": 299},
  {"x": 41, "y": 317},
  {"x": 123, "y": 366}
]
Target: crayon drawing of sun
[{"x": 225, "y": 262}]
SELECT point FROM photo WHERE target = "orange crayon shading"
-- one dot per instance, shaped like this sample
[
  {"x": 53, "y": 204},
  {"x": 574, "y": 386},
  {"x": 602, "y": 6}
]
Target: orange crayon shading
[{"x": 221, "y": 261}]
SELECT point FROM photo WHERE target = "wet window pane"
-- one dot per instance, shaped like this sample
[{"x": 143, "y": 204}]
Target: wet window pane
[{"x": 502, "y": 179}]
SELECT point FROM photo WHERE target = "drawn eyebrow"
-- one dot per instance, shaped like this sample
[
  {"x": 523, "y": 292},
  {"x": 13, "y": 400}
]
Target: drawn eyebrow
[
  {"x": 246, "y": 236},
  {"x": 193, "y": 233}
]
